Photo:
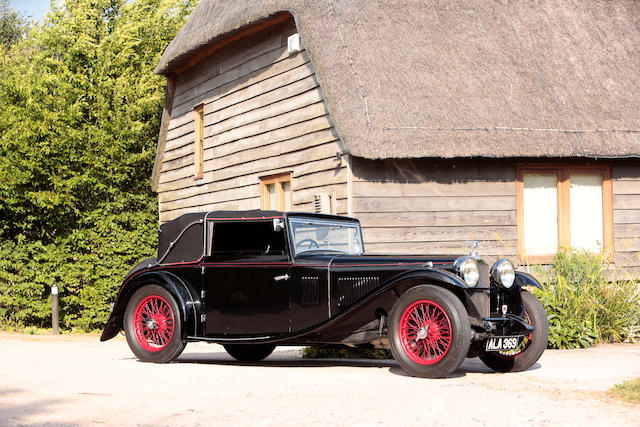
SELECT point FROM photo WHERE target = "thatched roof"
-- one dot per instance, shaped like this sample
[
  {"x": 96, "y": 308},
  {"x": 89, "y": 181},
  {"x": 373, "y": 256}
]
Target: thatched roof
[{"x": 426, "y": 78}]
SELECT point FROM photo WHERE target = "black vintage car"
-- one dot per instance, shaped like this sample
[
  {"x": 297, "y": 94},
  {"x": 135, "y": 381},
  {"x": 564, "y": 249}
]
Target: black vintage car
[{"x": 252, "y": 280}]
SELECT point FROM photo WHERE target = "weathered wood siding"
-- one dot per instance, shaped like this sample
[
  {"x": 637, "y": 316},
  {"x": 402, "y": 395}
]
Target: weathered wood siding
[
  {"x": 414, "y": 206},
  {"x": 264, "y": 114},
  {"x": 436, "y": 206},
  {"x": 626, "y": 217}
]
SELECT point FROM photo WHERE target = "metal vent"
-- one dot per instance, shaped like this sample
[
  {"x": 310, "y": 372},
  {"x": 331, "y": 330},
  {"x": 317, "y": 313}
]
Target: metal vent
[
  {"x": 351, "y": 289},
  {"x": 322, "y": 203},
  {"x": 310, "y": 291}
]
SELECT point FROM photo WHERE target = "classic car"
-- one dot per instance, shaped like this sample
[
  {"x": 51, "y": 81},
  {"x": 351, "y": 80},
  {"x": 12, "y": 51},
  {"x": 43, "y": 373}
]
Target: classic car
[{"x": 252, "y": 280}]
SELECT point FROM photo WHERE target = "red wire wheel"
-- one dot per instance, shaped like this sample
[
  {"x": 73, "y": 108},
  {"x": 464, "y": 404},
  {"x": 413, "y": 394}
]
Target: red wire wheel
[
  {"x": 425, "y": 332},
  {"x": 153, "y": 323}
]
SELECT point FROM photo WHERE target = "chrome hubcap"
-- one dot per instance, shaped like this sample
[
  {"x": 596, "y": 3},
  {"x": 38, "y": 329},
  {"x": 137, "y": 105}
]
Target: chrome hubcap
[{"x": 422, "y": 332}]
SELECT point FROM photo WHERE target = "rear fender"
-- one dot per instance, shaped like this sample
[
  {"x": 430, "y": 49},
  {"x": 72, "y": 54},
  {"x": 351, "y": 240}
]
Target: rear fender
[{"x": 186, "y": 297}]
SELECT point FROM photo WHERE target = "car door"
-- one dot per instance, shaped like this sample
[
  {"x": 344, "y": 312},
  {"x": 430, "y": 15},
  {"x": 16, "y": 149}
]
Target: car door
[
  {"x": 247, "y": 280},
  {"x": 309, "y": 292}
]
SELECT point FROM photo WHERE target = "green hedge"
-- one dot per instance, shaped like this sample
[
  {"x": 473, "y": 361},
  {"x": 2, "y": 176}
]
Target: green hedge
[{"x": 80, "y": 111}]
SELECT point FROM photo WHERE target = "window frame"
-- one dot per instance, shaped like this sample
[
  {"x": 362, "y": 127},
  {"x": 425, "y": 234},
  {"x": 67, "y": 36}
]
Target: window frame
[
  {"x": 198, "y": 141},
  {"x": 563, "y": 173},
  {"x": 278, "y": 180}
]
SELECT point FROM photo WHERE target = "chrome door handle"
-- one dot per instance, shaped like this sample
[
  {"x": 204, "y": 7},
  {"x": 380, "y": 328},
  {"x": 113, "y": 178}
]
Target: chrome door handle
[{"x": 283, "y": 277}]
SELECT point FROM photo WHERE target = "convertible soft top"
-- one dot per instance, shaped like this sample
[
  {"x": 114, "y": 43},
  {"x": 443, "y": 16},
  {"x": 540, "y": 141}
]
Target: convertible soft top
[{"x": 182, "y": 240}]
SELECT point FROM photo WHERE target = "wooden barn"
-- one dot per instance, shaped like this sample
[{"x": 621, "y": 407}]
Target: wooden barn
[{"x": 516, "y": 124}]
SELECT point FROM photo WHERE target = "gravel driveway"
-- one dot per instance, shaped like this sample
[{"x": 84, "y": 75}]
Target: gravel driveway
[{"x": 78, "y": 381}]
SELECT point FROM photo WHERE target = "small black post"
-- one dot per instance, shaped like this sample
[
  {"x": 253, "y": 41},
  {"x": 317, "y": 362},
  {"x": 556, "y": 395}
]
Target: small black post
[{"x": 54, "y": 309}]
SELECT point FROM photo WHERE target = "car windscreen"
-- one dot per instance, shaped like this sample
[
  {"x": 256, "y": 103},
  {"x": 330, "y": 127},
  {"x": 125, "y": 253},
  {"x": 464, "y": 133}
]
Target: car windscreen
[{"x": 315, "y": 235}]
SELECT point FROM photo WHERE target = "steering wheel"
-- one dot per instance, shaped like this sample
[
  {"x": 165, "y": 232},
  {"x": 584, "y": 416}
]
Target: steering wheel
[{"x": 310, "y": 242}]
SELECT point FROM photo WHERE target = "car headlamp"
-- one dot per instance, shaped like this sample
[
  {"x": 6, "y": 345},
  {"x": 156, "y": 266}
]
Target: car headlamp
[
  {"x": 503, "y": 272},
  {"x": 467, "y": 268}
]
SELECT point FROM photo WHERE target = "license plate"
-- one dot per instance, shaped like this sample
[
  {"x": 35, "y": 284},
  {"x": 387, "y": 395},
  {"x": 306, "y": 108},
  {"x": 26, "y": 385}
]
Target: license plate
[{"x": 503, "y": 343}]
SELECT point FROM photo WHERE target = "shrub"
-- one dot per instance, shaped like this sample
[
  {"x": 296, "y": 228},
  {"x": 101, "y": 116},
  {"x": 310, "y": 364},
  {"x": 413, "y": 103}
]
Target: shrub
[{"x": 584, "y": 306}]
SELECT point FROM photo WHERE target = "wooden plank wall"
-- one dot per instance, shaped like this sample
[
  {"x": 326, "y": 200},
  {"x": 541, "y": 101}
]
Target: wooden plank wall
[
  {"x": 626, "y": 217},
  {"x": 427, "y": 206},
  {"x": 264, "y": 114}
]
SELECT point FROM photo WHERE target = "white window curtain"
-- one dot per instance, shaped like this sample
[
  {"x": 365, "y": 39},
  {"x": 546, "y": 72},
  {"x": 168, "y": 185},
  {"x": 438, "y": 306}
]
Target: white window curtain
[
  {"x": 586, "y": 212},
  {"x": 540, "y": 214}
]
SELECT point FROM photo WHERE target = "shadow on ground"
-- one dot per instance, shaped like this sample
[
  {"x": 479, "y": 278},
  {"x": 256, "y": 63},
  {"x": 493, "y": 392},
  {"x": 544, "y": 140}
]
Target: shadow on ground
[
  {"x": 278, "y": 361},
  {"x": 22, "y": 413},
  {"x": 288, "y": 360}
]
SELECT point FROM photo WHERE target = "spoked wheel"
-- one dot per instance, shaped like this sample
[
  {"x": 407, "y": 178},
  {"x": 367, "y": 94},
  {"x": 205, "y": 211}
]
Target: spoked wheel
[
  {"x": 425, "y": 332},
  {"x": 249, "y": 352},
  {"x": 430, "y": 332},
  {"x": 153, "y": 326},
  {"x": 531, "y": 347}
]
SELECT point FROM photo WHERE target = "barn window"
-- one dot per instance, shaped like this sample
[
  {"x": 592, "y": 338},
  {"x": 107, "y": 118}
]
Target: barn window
[
  {"x": 275, "y": 192},
  {"x": 563, "y": 207},
  {"x": 198, "y": 151}
]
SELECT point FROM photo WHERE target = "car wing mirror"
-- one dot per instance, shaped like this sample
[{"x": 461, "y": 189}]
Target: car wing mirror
[{"x": 278, "y": 224}]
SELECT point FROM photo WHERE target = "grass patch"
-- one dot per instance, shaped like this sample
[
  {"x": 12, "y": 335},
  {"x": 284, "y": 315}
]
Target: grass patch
[
  {"x": 628, "y": 390},
  {"x": 344, "y": 352}
]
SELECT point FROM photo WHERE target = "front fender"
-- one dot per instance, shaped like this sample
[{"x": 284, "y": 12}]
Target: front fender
[
  {"x": 525, "y": 279},
  {"x": 185, "y": 295},
  {"x": 433, "y": 275}
]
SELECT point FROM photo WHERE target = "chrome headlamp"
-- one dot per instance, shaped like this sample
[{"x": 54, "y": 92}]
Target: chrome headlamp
[
  {"x": 504, "y": 273},
  {"x": 467, "y": 268}
]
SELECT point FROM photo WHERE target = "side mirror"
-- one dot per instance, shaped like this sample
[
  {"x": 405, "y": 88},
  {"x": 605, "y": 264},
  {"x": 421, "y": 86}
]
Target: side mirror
[{"x": 278, "y": 224}]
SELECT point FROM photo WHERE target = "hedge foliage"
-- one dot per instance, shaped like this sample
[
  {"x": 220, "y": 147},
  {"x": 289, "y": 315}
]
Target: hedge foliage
[
  {"x": 79, "y": 117},
  {"x": 584, "y": 306}
]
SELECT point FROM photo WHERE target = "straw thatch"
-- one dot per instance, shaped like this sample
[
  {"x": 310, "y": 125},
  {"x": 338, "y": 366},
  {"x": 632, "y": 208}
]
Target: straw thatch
[{"x": 425, "y": 78}]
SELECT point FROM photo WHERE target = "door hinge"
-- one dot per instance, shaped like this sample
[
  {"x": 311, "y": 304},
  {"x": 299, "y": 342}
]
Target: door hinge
[
  {"x": 202, "y": 271},
  {"x": 203, "y": 318},
  {"x": 203, "y": 293}
]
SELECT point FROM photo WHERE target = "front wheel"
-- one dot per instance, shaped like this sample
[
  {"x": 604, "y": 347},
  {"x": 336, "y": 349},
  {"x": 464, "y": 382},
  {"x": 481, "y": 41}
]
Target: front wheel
[
  {"x": 531, "y": 347},
  {"x": 249, "y": 352},
  {"x": 430, "y": 331},
  {"x": 153, "y": 326}
]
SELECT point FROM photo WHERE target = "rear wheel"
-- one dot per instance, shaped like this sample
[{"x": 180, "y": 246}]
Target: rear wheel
[
  {"x": 430, "y": 332},
  {"x": 531, "y": 347},
  {"x": 153, "y": 326},
  {"x": 249, "y": 352}
]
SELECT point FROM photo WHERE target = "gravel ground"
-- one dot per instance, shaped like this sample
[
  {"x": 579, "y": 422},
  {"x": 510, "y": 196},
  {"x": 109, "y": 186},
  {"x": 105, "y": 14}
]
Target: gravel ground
[{"x": 66, "y": 380}]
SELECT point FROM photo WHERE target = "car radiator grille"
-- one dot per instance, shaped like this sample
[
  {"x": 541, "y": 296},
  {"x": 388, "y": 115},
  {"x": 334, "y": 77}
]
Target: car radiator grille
[{"x": 351, "y": 289}]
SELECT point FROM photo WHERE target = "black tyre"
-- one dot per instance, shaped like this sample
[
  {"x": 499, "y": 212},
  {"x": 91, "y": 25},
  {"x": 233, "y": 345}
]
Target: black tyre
[
  {"x": 249, "y": 352},
  {"x": 531, "y": 347},
  {"x": 153, "y": 326},
  {"x": 430, "y": 332}
]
